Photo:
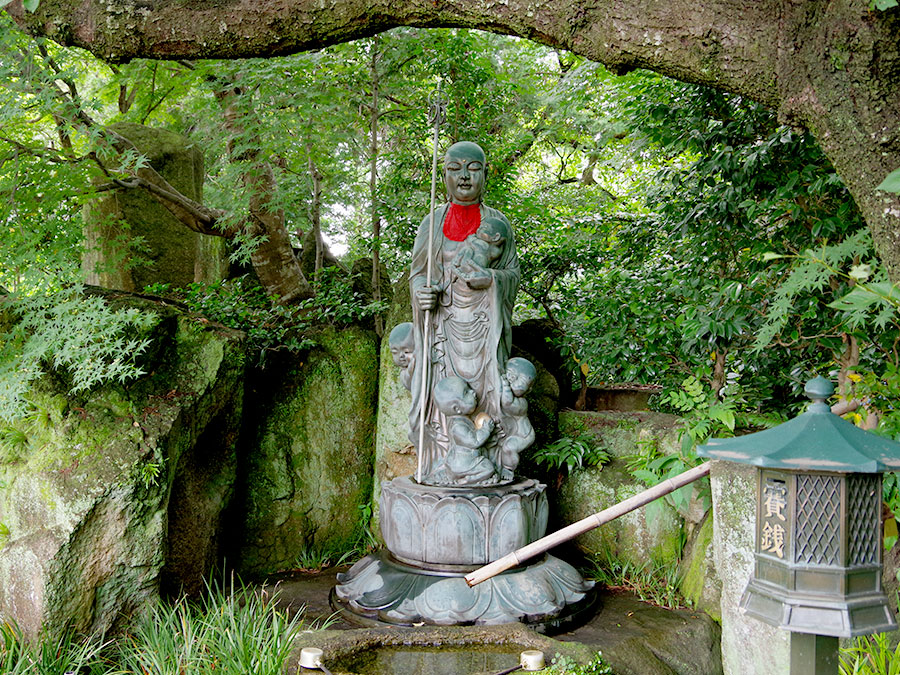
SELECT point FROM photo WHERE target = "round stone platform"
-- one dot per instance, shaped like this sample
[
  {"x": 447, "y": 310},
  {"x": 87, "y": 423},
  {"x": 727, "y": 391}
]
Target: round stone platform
[
  {"x": 451, "y": 528},
  {"x": 435, "y": 536},
  {"x": 378, "y": 589}
]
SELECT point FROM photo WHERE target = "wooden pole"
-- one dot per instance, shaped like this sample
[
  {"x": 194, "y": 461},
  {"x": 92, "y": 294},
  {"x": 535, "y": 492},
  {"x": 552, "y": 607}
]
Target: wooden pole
[{"x": 586, "y": 524}]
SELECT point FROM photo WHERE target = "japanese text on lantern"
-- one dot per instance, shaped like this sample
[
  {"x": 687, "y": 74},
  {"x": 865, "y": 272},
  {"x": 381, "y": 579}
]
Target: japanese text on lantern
[{"x": 772, "y": 512}]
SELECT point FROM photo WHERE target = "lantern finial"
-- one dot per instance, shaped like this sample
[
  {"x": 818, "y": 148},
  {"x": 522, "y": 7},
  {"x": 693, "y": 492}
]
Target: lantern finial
[{"x": 818, "y": 390}]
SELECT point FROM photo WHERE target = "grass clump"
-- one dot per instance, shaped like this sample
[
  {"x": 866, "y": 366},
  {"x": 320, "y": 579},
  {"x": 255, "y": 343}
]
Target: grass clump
[
  {"x": 650, "y": 582},
  {"x": 231, "y": 631},
  {"x": 870, "y": 655}
]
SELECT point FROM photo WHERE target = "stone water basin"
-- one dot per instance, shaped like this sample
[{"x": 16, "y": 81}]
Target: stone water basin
[{"x": 430, "y": 650}]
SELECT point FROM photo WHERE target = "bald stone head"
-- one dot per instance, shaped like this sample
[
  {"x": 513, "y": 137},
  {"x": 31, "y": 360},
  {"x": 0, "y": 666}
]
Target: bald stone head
[{"x": 464, "y": 173}]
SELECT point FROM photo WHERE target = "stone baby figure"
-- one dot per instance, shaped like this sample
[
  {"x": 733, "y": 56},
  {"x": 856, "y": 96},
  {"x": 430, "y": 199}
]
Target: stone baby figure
[
  {"x": 401, "y": 342},
  {"x": 465, "y": 462},
  {"x": 484, "y": 247},
  {"x": 517, "y": 381}
]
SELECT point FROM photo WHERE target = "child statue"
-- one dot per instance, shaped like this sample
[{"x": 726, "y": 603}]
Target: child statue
[
  {"x": 403, "y": 353},
  {"x": 515, "y": 383},
  {"x": 465, "y": 462},
  {"x": 483, "y": 248}
]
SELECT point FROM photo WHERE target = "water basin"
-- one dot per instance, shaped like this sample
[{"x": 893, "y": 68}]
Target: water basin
[{"x": 438, "y": 660}]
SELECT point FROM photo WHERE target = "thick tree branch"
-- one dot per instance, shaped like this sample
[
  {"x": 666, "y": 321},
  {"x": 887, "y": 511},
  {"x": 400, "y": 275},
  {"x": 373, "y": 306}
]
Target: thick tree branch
[{"x": 833, "y": 67}]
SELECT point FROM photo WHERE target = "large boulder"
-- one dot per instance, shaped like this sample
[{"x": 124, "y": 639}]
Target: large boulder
[
  {"x": 132, "y": 240},
  {"x": 310, "y": 470},
  {"x": 395, "y": 456},
  {"x": 110, "y": 496},
  {"x": 654, "y": 533}
]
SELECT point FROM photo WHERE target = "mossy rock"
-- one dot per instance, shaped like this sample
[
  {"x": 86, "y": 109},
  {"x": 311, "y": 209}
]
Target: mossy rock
[
  {"x": 698, "y": 581},
  {"x": 654, "y": 533},
  {"x": 394, "y": 453},
  {"x": 91, "y": 506},
  {"x": 310, "y": 472},
  {"x": 132, "y": 240}
]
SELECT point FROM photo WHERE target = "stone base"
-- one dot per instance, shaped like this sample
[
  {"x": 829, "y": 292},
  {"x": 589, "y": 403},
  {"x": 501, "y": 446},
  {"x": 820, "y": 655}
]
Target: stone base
[
  {"x": 455, "y": 528},
  {"x": 379, "y": 589}
]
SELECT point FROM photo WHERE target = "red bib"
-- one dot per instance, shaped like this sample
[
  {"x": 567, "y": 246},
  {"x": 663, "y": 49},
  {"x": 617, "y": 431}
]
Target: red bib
[{"x": 461, "y": 221}]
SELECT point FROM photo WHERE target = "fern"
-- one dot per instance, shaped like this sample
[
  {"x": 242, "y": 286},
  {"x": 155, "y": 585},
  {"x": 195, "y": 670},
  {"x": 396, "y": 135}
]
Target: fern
[{"x": 91, "y": 341}]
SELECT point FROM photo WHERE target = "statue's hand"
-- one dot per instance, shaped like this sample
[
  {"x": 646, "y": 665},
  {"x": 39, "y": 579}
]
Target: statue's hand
[
  {"x": 426, "y": 297},
  {"x": 506, "y": 395}
]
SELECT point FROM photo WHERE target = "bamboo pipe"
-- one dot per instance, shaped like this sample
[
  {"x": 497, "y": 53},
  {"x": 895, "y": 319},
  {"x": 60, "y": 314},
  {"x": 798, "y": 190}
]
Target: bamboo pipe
[{"x": 585, "y": 524}]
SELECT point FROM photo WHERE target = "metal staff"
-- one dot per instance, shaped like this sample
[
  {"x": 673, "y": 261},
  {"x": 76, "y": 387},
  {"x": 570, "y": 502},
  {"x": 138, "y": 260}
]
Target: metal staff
[{"x": 436, "y": 111}]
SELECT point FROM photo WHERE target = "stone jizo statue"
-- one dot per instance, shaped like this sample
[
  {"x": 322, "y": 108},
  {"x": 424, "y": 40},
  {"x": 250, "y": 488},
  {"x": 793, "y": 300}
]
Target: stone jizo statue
[
  {"x": 469, "y": 303},
  {"x": 517, "y": 381}
]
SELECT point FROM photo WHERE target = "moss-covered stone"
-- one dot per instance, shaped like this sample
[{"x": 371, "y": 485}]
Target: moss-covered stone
[
  {"x": 311, "y": 466},
  {"x": 394, "y": 454},
  {"x": 131, "y": 240},
  {"x": 698, "y": 580},
  {"x": 654, "y": 533},
  {"x": 748, "y": 645},
  {"x": 94, "y": 524}
]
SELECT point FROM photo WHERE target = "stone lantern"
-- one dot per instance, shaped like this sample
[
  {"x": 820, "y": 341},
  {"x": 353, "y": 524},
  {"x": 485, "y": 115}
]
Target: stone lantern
[{"x": 818, "y": 549}]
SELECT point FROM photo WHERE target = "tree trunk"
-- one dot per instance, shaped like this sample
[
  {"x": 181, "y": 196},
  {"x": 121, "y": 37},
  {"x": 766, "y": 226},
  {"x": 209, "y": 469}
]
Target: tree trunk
[
  {"x": 373, "y": 184},
  {"x": 833, "y": 67},
  {"x": 316, "y": 211},
  {"x": 273, "y": 259}
]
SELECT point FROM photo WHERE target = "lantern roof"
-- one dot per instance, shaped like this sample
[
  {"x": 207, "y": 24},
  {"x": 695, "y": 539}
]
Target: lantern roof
[{"x": 815, "y": 440}]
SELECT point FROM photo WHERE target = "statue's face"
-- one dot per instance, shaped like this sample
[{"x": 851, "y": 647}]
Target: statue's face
[
  {"x": 402, "y": 354},
  {"x": 519, "y": 382},
  {"x": 464, "y": 173}
]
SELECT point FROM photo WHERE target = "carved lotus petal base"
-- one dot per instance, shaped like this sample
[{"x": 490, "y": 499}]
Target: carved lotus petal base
[
  {"x": 382, "y": 590},
  {"x": 452, "y": 528}
]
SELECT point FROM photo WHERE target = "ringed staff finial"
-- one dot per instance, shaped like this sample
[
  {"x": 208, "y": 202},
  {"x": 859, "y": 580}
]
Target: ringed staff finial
[{"x": 437, "y": 112}]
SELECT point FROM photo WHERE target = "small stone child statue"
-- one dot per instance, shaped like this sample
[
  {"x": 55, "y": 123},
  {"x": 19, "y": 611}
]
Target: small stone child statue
[
  {"x": 464, "y": 463},
  {"x": 517, "y": 381},
  {"x": 401, "y": 342},
  {"x": 484, "y": 247}
]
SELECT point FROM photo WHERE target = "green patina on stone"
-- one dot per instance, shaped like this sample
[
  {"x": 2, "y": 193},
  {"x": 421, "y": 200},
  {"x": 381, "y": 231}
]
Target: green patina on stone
[
  {"x": 90, "y": 534},
  {"x": 312, "y": 470}
]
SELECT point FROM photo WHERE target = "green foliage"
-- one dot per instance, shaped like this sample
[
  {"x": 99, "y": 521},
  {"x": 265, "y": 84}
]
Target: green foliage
[
  {"x": 563, "y": 665},
  {"x": 242, "y": 304},
  {"x": 704, "y": 414},
  {"x": 61, "y": 656},
  {"x": 572, "y": 453},
  {"x": 67, "y": 331},
  {"x": 336, "y": 302},
  {"x": 233, "y": 631},
  {"x": 807, "y": 288},
  {"x": 870, "y": 655},
  {"x": 892, "y": 182},
  {"x": 651, "y": 582},
  {"x": 150, "y": 473}
]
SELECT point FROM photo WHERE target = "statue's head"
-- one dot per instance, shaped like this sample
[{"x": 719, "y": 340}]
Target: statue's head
[
  {"x": 494, "y": 230},
  {"x": 520, "y": 374},
  {"x": 454, "y": 396},
  {"x": 464, "y": 172},
  {"x": 401, "y": 343}
]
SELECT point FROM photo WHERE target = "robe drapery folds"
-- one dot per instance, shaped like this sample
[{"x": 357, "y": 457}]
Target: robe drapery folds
[{"x": 470, "y": 334}]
